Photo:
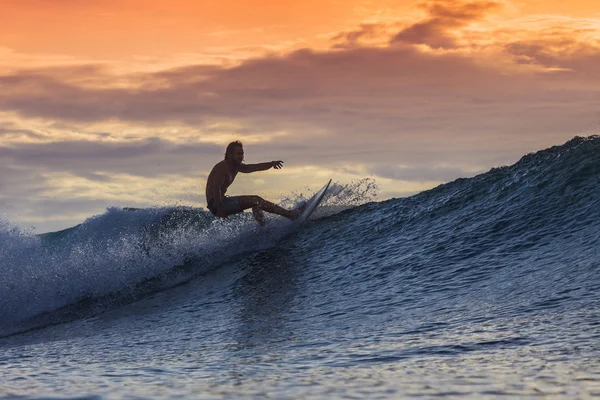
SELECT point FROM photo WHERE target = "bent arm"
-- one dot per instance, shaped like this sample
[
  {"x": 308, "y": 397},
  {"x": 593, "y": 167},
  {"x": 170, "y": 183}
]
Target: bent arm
[{"x": 248, "y": 168}]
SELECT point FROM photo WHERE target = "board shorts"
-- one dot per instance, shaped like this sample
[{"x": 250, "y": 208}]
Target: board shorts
[{"x": 231, "y": 205}]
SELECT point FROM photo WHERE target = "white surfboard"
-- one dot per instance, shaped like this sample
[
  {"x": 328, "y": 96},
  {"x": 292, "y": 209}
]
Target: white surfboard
[{"x": 313, "y": 203}]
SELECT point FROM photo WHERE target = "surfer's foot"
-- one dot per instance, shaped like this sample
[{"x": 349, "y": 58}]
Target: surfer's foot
[
  {"x": 261, "y": 221},
  {"x": 295, "y": 214}
]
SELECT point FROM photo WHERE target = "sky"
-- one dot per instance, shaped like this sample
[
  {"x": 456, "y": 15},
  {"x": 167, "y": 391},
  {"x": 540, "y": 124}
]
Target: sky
[{"x": 129, "y": 103}]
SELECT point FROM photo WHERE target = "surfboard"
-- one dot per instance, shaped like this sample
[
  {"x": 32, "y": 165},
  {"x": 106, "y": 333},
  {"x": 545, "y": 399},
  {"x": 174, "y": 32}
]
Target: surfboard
[{"x": 313, "y": 203}]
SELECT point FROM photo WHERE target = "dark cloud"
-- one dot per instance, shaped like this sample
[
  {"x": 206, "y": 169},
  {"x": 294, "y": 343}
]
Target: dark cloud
[
  {"x": 444, "y": 17},
  {"x": 346, "y": 93},
  {"x": 147, "y": 158},
  {"x": 460, "y": 12},
  {"x": 4, "y": 132},
  {"x": 392, "y": 89},
  {"x": 352, "y": 38},
  {"x": 17, "y": 180},
  {"x": 577, "y": 57}
]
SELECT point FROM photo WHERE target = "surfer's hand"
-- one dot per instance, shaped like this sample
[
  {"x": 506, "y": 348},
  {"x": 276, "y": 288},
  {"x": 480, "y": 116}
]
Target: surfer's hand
[{"x": 277, "y": 164}]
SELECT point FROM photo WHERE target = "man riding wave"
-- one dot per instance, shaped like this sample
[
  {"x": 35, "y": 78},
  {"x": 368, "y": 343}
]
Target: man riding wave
[{"x": 222, "y": 176}]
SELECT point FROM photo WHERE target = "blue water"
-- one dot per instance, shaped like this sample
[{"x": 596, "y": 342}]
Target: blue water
[{"x": 481, "y": 288}]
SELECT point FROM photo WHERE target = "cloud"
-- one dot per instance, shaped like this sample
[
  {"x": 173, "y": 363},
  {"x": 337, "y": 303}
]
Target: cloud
[
  {"x": 431, "y": 101},
  {"x": 61, "y": 189},
  {"x": 347, "y": 88},
  {"x": 333, "y": 106},
  {"x": 144, "y": 158},
  {"x": 421, "y": 172},
  {"x": 8, "y": 131},
  {"x": 394, "y": 88},
  {"x": 567, "y": 54},
  {"x": 353, "y": 38},
  {"x": 444, "y": 17}
]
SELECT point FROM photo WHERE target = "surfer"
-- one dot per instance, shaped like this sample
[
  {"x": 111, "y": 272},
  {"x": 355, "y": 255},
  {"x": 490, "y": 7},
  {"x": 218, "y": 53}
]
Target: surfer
[{"x": 222, "y": 176}]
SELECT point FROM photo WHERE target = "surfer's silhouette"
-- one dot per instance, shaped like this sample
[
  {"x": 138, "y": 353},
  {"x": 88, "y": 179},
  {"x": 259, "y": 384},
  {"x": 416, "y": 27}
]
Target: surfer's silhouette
[{"x": 222, "y": 176}]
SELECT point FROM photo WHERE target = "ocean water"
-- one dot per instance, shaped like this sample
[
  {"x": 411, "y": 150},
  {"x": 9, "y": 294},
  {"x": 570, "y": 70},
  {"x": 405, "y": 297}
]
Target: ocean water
[{"x": 483, "y": 288}]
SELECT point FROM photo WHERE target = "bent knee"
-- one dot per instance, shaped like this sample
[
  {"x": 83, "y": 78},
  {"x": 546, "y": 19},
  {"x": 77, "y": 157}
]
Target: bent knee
[
  {"x": 258, "y": 200},
  {"x": 257, "y": 210}
]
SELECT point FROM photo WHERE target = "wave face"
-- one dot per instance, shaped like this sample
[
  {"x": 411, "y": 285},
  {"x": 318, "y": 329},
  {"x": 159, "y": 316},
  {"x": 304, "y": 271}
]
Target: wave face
[
  {"x": 515, "y": 241},
  {"x": 111, "y": 259}
]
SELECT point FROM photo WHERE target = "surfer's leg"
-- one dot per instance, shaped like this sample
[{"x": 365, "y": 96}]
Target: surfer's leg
[{"x": 257, "y": 201}]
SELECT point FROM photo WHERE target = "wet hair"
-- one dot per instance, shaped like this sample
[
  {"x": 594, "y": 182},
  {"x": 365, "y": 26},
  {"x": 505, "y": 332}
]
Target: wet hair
[{"x": 232, "y": 146}]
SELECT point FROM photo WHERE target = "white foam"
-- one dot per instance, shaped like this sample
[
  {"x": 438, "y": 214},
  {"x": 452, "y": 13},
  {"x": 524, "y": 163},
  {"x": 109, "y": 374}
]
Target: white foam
[{"x": 115, "y": 251}]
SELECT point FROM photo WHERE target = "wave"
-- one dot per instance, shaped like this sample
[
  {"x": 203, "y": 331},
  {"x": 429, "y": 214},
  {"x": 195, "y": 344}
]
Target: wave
[
  {"x": 510, "y": 226},
  {"x": 126, "y": 253}
]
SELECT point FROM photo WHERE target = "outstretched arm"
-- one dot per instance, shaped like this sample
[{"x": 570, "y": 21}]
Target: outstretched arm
[{"x": 247, "y": 168}]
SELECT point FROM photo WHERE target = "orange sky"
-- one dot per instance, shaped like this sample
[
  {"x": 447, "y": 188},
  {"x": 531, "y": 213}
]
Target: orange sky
[{"x": 122, "y": 28}]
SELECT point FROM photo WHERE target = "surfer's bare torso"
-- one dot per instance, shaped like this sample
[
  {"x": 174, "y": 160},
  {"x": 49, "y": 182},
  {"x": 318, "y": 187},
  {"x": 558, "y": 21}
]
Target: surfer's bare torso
[{"x": 220, "y": 178}]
